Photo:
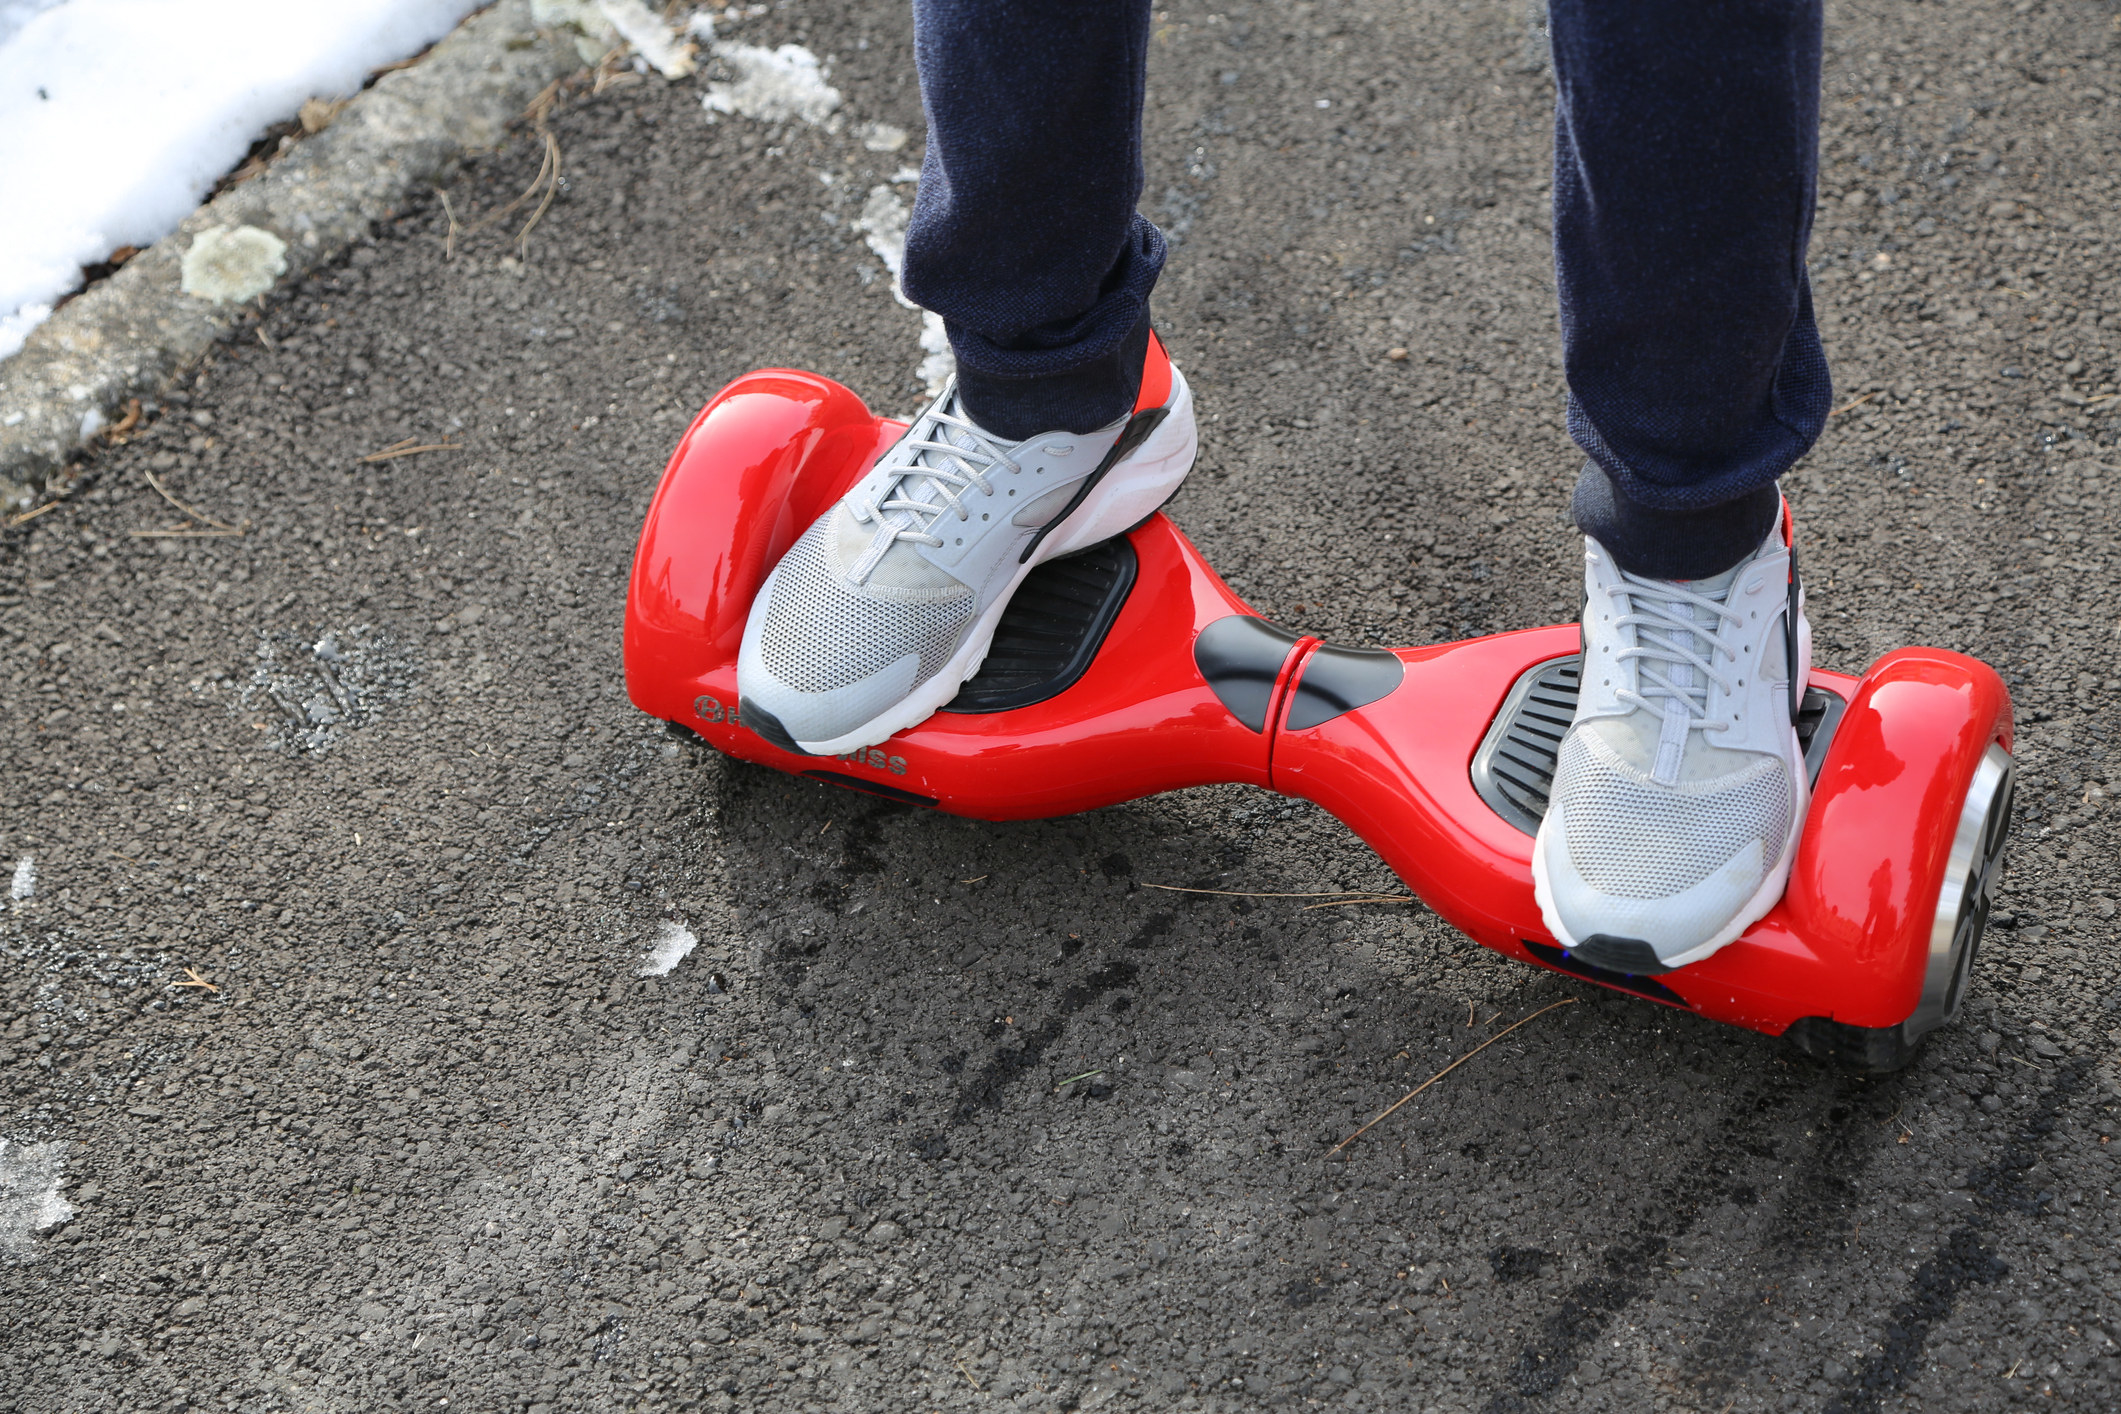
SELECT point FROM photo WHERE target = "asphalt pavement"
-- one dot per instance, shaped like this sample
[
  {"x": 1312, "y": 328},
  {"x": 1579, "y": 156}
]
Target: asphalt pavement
[{"x": 393, "y": 1017}]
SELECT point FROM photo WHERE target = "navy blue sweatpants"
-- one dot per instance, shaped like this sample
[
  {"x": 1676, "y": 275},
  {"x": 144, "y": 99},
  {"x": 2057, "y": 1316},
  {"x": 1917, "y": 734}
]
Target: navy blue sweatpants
[{"x": 1685, "y": 166}]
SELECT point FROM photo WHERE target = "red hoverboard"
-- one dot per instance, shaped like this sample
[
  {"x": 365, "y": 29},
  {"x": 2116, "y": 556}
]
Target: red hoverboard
[{"x": 1131, "y": 668}]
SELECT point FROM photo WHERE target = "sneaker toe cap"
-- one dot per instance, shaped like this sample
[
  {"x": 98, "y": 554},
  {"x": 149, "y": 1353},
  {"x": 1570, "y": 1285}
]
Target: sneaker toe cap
[
  {"x": 825, "y": 716},
  {"x": 1673, "y": 924}
]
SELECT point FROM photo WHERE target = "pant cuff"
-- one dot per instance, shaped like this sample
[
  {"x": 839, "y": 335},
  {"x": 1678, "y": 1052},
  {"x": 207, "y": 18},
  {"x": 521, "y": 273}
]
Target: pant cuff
[
  {"x": 1083, "y": 399},
  {"x": 1660, "y": 544}
]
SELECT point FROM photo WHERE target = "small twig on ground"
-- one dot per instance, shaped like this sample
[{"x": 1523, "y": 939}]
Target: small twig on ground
[
  {"x": 1565, "y": 1001},
  {"x": 406, "y": 449},
  {"x": 552, "y": 189},
  {"x": 449, "y": 238},
  {"x": 547, "y": 179},
  {"x": 612, "y": 71},
  {"x": 541, "y": 107},
  {"x": 193, "y": 979},
  {"x": 2102, "y": 398},
  {"x": 33, "y": 514},
  {"x": 824, "y": 827},
  {"x": 1351, "y": 895},
  {"x": 1469, "y": 1016},
  {"x": 163, "y": 491},
  {"x": 1856, "y": 403},
  {"x": 122, "y": 428},
  {"x": 317, "y": 114},
  {"x": 1086, "y": 1075},
  {"x": 1366, "y": 898},
  {"x": 528, "y": 192}
]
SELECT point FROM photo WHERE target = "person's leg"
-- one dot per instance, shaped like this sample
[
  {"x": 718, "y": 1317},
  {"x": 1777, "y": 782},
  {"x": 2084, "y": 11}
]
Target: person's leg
[
  {"x": 1066, "y": 423},
  {"x": 1685, "y": 160},
  {"x": 1685, "y": 169},
  {"x": 1024, "y": 234}
]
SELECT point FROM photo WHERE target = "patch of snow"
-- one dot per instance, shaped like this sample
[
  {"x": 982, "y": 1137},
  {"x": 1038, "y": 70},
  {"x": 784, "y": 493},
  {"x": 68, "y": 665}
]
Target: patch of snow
[
  {"x": 91, "y": 423},
  {"x": 231, "y": 264},
  {"x": 25, "y": 885},
  {"x": 772, "y": 85},
  {"x": 938, "y": 360},
  {"x": 593, "y": 35},
  {"x": 29, "y": 1196},
  {"x": 601, "y": 26},
  {"x": 883, "y": 224},
  {"x": 554, "y": 14},
  {"x": 15, "y": 327},
  {"x": 883, "y": 137},
  {"x": 14, "y": 14},
  {"x": 671, "y": 948},
  {"x": 117, "y": 116},
  {"x": 649, "y": 36}
]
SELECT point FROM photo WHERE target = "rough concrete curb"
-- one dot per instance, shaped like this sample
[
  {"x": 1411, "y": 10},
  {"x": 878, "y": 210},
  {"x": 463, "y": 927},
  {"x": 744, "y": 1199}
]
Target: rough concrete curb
[{"x": 128, "y": 335}]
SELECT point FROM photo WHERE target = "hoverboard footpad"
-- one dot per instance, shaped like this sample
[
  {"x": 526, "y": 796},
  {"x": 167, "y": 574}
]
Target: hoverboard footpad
[{"x": 1052, "y": 629}]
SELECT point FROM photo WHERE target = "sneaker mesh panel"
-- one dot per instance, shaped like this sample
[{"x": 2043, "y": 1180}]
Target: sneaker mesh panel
[
  {"x": 821, "y": 635},
  {"x": 1630, "y": 838}
]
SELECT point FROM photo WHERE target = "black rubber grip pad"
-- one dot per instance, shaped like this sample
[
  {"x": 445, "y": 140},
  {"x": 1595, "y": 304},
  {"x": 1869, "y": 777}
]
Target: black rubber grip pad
[
  {"x": 1337, "y": 680},
  {"x": 1241, "y": 657}
]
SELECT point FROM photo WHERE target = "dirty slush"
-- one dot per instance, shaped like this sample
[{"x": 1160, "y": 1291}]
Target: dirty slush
[{"x": 394, "y": 1017}]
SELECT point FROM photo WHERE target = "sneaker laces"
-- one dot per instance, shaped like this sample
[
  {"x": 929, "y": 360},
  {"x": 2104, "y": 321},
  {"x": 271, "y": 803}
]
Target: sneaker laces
[
  {"x": 946, "y": 456},
  {"x": 1675, "y": 647}
]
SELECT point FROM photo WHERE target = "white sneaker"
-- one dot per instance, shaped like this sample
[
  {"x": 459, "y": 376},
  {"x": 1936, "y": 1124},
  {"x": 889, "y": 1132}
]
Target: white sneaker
[
  {"x": 1681, "y": 785},
  {"x": 883, "y": 608}
]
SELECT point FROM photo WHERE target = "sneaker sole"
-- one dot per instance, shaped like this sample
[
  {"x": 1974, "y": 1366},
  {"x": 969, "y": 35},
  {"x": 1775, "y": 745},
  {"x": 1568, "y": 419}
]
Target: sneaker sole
[{"x": 1129, "y": 493}]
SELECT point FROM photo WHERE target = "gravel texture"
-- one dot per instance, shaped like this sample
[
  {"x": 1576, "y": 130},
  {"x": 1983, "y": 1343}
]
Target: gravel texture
[{"x": 946, "y": 1116}]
